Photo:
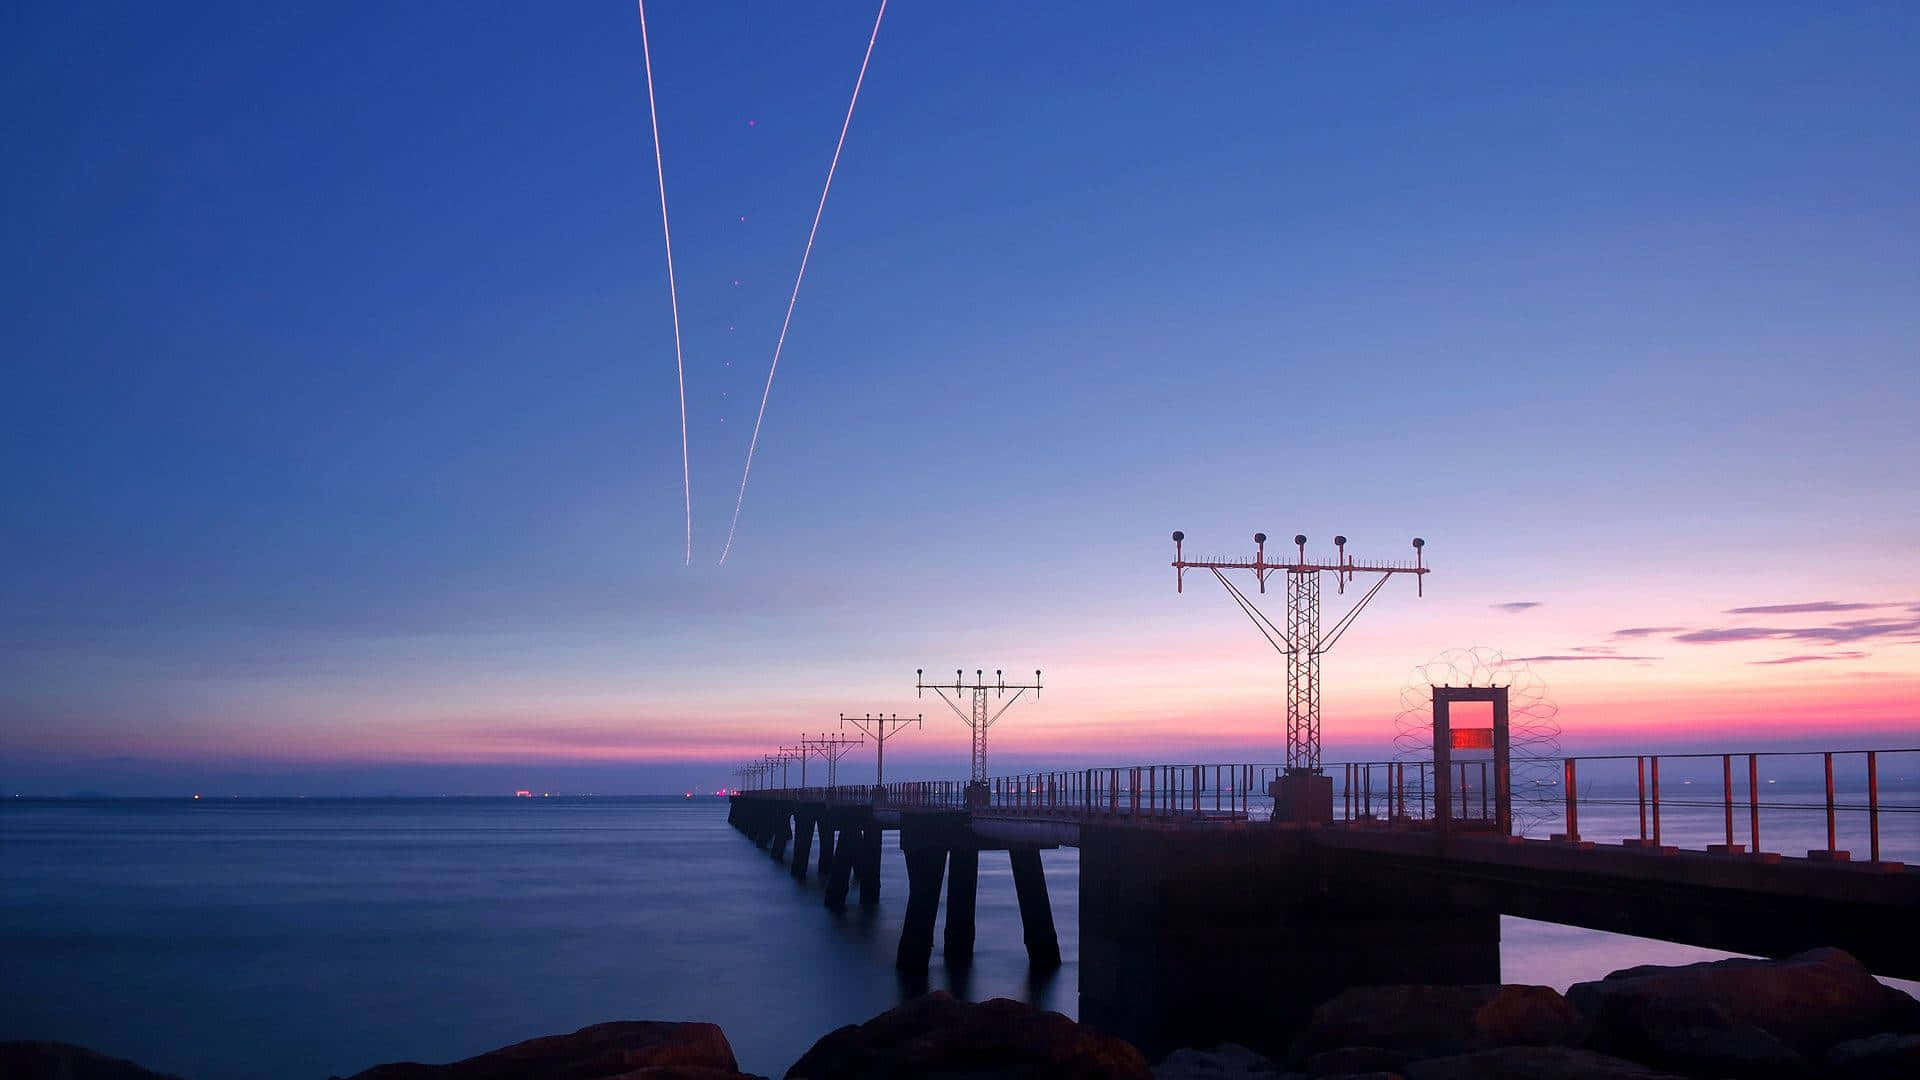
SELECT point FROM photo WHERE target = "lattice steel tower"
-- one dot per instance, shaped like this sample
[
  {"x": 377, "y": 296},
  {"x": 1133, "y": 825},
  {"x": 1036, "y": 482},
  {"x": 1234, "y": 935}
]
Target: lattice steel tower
[
  {"x": 1302, "y": 642},
  {"x": 982, "y": 715}
]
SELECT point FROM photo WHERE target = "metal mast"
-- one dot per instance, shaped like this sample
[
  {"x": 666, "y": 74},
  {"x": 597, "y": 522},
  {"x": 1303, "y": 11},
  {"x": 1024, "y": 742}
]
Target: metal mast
[
  {"x": 1302, "y": 642},
  {"x": 800, "y": 754},
  {"x": 880, "y": 729},
  {"x": 832, "y": 748},
  {"x": 982, "y": 716}
]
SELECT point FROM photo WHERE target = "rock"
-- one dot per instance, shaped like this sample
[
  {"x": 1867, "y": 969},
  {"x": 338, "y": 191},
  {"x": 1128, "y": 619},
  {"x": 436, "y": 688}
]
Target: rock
[
  {"x": 937, "y": 1036},
  {"x": 64, "y": 1061},
  {"x": 1804, "y": 1003},
  {"x": 1227, "y": 1061},
  {"x": 1532, "y": 1063},
  {"x": 1429, "y": 1021},
  {"x": 1876, "y": 1057},
  {"x": 1356, "y": 1059},
  {"x": 622, "y": 1050}
]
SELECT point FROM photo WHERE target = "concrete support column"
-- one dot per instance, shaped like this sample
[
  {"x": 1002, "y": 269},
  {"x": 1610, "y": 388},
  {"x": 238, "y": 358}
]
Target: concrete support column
[
  {"x": 826, "y": 846},
  {"x": 869, "y": 865},
  {"x": 844, "y": 855},
  {"x": 762, "y": 826},
  {"x": 963, "y": 880},
  {"x": 802, "y": 842},
  {"x": 1191, "y": 937},
  {"x": 925, "y": 868},
  {"x": 1036, "y": 913},
  {"x": 782, "y": 832}
]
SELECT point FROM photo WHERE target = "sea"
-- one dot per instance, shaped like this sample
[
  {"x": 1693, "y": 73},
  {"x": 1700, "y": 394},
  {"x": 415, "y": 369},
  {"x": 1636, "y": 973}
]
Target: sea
[{"x": 221, "y": 939}]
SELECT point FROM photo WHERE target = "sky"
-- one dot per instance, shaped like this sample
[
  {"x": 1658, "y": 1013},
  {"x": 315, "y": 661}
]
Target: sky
[{"x": 341, "y": 451}]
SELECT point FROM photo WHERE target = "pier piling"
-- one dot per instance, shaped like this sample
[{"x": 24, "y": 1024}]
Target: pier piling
[
  {"x": 869, "y": 864},
  {"x": 963, "y": 882},
  {"x": 1036, "y": 913},
  {"x": 844, "y": 854},
  {"x": 802, "y": 842},
  {"x": 925, "y": 868},
  {"x": 782, "y": 832},
  {"x": 826, "y": 844}
]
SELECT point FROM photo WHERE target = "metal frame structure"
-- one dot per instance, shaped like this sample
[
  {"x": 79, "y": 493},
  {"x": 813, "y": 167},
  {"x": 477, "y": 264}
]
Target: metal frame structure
[
  {"x": 880, "y": 728},
  {"x": 982, "y": 716},
  {"x": 1301, "y": 643},
  {"x": 832, "y": 748},
  {"x": 800, "y": 754}
]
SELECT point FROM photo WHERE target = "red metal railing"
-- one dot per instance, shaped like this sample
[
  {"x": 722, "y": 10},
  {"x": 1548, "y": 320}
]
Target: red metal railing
[
  {"x": 1808, "y": 801},
  {"x": 1805, "y": 797}
]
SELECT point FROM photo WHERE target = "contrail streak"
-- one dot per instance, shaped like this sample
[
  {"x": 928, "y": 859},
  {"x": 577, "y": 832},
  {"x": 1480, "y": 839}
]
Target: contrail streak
[
  {"x": 754, "y": 442},
  {"x": 673, "y": 288}
]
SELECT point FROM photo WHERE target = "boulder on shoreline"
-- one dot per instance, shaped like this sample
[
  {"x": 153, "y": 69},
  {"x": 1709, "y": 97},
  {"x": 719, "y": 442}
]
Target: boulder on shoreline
[
  {"x": 1816, "y": 1014},
  {"x": 938, "y": 1036},
  {"x": 1228, "y": 1061},
  {"x": 1417, "y": 1022},
  {"x": 1741, "y": 1018},
  {"x": 621, "y": 1050},
  {"x": 65, "y": 1061},
  {"x": 1532, "y": 1063}
]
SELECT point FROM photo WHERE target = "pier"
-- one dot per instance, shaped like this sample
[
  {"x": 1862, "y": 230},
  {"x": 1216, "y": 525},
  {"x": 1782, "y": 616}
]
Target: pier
[{"x": 1200, "y": 921}]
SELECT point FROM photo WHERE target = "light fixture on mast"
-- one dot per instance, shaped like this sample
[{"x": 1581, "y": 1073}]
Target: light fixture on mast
[
  {"x": 1299, "y": 794},
  {"x": 981, "y": 718}
]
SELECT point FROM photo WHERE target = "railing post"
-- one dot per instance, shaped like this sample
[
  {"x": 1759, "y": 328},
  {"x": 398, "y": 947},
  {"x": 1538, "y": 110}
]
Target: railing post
[
  {"x": 1726, "y": 791},
  {"x": 1640, "y": 788},
  {"x": 1573, "y": 802},
  {"x": 1873, "y": 806},
  {"x": 1830, "y": 833},
  {"x": 1656, "y": 800},
  {"x": 1753, "y": 801}
]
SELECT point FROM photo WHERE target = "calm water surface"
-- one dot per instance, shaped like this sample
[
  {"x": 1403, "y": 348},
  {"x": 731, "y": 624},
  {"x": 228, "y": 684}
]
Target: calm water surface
[{"x": 244, "y": 938}]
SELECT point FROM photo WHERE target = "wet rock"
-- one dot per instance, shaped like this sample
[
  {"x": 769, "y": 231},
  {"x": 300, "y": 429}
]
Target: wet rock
[
  {"x": 623, "y": 1050},
  {"x": 1356, "y": 1059},
  {"x": 1430, "y": 1021},
  {"x": 1224, "y": 1062},
  {"x": 1876, "y": 1057},
  {"x": 1698, "y": 1015},
  {"x": 64, "y": 1061},
  {"x": 1532, "y": 1063},
  {"x": 937, "y": 1036}
]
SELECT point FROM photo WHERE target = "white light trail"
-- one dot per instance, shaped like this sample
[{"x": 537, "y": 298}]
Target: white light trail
[
  {"x": 754, "y": 442},
  {"x": 673, "y": 289}
]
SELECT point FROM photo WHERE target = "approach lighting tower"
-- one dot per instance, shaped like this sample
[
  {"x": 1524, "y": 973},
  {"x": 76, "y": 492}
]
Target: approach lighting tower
[
  {"x": 880, "y": 729},
  {"x": 981, "y": 718},
  {"x": 783, "y": 759},
  {"x": 799, "y": 754},
  {"x": 1302, "y": 642},
  {"x": 833, "y": 748}
]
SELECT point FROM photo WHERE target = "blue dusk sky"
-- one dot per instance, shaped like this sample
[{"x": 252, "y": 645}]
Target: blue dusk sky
[{"x": 341, "y": 446}]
